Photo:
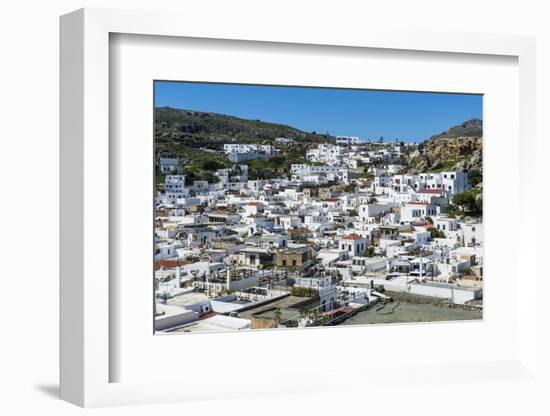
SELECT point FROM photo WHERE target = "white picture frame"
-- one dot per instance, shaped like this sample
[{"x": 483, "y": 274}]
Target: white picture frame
[{"x": 86, "y": 353}]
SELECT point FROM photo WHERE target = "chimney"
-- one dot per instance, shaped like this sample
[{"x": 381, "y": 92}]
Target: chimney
[{"x": 228, "y": 279}]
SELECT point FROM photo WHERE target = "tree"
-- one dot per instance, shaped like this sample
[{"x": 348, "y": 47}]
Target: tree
[
  {"x": 369, "y": 252},
  {"x": 435, "y": 233},
  {"x": 276, "y": 160},
  {"x": 465, "y": 200},
  {"x": 475, "y": 177},
  {"x": 349, "y": 188},
  {"x": 211, "y": 165},
  {"x": 207, "y": 176},
  {"x": 479, "y": 204}
]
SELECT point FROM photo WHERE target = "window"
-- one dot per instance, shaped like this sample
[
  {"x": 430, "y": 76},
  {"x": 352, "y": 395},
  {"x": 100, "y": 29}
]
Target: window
[
  {"x": 284, "y": 263},
  {"x": 294, "y": 262}
]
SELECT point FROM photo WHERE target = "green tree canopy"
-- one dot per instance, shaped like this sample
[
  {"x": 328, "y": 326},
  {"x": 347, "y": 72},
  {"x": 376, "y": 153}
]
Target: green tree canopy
[{"x": 470, "y": 201}]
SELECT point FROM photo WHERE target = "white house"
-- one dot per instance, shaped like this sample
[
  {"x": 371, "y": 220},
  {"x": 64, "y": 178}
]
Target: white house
[
  {"x": 170, "y": 165},
  {"x": 369, "y": 212},
  {"x": 354, "y": 244},
  {"x": 452, "y": 182},
  {"x": 170, "y": 316},
  {"x": 200, "y": 186},
  {"x": 254, "y": 208},
  {"x": 166, "y": 250},
  {"x": 472, "y": 233},
  {"x": 419, "y": 237},
  {"x": 436, "y": 196},
  {"x": 288, "y": 221},
  {"x": 348, "y": 140},
  {"x": 327, "y": 153},
  {"x": 247, "y": 148},
  {"x": 174, "y": 189},
  {"x": 414, "y": 211},
  {"x": 381, "y": 183},
  {"x": 255, "y": 185},
  {"x": 445, "y": 224},
  {"x": 368, "y": 264},
  {"x": 332, "y": 204},
  {"x": 323, "y": 284},
  {"x": 306, "y": 173}
]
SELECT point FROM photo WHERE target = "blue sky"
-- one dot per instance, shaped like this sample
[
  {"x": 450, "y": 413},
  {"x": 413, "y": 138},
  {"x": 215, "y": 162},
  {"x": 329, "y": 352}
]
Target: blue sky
[{"x": 408, "y": 116}]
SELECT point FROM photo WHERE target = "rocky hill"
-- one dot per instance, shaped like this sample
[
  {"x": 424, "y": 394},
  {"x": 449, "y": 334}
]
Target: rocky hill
[
  {"x": 195, "y": 128},
  {"x": 470, "y": 128},
  {"x": 459, "y": 148}
]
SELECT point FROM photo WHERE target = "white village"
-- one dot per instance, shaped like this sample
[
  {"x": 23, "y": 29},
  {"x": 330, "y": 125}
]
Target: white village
[{"x": 342, "y": 238}]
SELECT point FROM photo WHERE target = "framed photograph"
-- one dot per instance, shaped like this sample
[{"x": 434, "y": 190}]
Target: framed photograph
[
  {"x": 260, "y": 224},
  {"x": 285, "y": 207}
]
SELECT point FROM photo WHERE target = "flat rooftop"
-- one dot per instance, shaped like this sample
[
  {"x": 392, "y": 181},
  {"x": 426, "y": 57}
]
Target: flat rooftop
[
  {"x": 165, "y": 311},
  {"x": 448, "y": 286},
  {"x": 214, "y": 323},
  {"x": 287, "y": 302},
  {"x": 286, "y": 313},
  {"x": 190, "y": 298},
  {"x": 295, "y": 250}
]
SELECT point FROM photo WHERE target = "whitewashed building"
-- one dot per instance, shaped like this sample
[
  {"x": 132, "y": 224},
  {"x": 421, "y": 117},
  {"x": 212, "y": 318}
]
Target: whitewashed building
[
  {"x": 354, "y": 244},
  {"x": 170, "y": 165},
  {"x": 414, "y": 211},
  {"x": 174, "y": 189}
]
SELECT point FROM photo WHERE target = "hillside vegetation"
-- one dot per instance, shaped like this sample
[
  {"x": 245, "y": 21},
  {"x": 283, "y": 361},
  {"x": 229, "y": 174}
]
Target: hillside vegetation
[{"x": 197, "y": 128}]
